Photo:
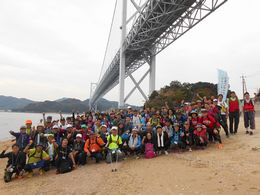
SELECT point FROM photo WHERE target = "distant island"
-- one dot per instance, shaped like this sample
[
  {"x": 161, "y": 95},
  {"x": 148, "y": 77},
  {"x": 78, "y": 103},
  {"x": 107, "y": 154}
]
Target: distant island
[{"x": 65, "y": 105}]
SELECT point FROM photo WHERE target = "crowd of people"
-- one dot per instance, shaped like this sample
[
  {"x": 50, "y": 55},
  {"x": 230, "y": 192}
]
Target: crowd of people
[{"x": 67, "y": 143}]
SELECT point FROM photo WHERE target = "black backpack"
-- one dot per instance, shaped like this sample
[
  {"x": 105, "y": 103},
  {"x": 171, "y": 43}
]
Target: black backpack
[{"x": 65, "y": 166}]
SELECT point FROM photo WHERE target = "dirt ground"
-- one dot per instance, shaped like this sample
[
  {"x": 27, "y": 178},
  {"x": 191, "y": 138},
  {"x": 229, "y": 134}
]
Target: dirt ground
[{"x": 235, "y": 169}]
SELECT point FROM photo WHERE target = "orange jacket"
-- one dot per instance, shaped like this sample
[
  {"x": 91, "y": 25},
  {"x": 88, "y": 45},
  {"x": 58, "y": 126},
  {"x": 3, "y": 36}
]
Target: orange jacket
[{"x": 93, "y": 145}]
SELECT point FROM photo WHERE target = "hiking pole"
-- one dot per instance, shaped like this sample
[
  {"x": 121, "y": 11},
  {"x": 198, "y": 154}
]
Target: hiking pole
[
  {"x": 116, "y": 160},
  {"x": 111, "y": 161}
]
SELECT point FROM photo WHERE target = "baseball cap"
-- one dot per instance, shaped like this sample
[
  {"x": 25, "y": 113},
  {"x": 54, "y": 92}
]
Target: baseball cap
[
  {"x": 55, "y": 127},
  {"x": 23, "y": 127},
  {"x": 79, "y": 135},
  {"x": 114, "y": 128},
  {"x": 68, "y": 126},
  {"x": 28, "y": 121}
]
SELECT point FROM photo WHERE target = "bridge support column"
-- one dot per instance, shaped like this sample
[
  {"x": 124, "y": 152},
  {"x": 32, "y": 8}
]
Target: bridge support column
[
  {"x": 152, "y": 74},
  {"x": 121, "y": 102}
]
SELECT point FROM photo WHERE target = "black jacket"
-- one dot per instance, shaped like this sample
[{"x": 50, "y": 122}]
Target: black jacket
[{"x": 18, "y": 160}]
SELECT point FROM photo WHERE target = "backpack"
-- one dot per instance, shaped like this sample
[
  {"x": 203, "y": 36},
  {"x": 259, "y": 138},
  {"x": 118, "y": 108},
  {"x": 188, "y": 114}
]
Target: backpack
[
  {"x": 110, "y": 139},
  {"x": 65, "y": 166},
  {"x": 96, "y": 142},
  {"x": 33, "y": 154},
  {"x": 149, "y": 151}
]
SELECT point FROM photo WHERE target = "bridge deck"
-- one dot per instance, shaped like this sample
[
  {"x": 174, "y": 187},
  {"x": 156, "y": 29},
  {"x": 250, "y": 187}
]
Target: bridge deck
[{"x": 158, "y": 19}]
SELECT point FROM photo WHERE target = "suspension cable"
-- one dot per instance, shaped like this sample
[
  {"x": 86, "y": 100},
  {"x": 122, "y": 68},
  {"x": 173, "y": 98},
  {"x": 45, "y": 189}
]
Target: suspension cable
[{"x": 111, "y": 25}]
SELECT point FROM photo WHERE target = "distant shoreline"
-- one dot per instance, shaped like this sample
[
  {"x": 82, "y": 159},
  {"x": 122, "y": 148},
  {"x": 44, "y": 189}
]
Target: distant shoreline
[{"x": 30, "y": 112}]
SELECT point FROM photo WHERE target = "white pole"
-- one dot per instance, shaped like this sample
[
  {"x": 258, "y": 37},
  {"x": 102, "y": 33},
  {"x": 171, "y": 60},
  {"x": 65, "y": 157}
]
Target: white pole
[
  {"x": 152, "y": 75},
  {"x": 122, "y": 57}
]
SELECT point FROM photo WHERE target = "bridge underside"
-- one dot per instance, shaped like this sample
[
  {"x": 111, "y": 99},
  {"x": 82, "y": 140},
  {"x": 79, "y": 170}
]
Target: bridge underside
[{"x": 160, "y": 23}]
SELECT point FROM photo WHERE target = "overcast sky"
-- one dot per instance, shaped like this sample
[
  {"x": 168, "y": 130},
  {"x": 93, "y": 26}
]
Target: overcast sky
[{"x": 54, "y": 48}]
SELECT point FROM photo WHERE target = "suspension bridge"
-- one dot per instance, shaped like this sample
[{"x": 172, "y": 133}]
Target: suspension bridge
[{"x": 152, "y": 27}]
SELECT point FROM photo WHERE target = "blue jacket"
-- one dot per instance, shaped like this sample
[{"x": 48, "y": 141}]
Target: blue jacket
[
  {"x": 22, "y": 139},
  {"x": 176, "y": 137},
  {"x": 131, "y": 141}
]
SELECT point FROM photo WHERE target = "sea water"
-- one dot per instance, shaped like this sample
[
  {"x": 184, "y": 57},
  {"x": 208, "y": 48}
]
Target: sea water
[{"x": 14, "y": 120}]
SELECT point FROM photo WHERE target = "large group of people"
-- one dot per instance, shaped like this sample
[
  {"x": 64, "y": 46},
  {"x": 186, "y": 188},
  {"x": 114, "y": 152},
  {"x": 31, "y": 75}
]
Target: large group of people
[{"x": 67, "y": 143}]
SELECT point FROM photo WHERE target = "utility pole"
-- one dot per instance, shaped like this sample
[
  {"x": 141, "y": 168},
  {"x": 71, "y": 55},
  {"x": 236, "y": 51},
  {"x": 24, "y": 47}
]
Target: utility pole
[{"x": 243, "y": 84}]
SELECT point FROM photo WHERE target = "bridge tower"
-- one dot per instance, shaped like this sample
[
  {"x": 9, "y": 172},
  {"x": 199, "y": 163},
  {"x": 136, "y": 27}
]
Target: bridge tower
[{"x": 122, "y": 75}]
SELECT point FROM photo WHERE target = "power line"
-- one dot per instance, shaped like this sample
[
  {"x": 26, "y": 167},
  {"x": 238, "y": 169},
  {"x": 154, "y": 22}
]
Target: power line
[{"x": 109, "y": 35}]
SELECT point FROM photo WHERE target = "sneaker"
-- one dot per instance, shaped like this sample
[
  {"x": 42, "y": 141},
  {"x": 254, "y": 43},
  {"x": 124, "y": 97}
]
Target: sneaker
[
  {"x": 41, "y": 171},
  {"x": 165, "y": 152},
  {"x": 251, "y": 133},
  {"x": 190, "y": 150},
  {"x": 247, "y": 132},
  {"x": 220, "y": 146},
  {"x": 159, "y": 153}
]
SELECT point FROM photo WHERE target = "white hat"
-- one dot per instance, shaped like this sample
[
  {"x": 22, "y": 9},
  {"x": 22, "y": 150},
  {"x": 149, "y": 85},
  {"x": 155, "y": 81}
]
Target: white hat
[
  {"x": 55, "y": 127},
  {"x": 129, "y": 107},
  {"x": 215, "y": 100},
  {"x": 68, "y": 126},
  {"x": 79, "y": 135},
  {"x": 40, "y": 125},
  {"x": 134, "y": 129},
  {"x": 103, "y": 126},
  {"x": 114, "y": 128}
]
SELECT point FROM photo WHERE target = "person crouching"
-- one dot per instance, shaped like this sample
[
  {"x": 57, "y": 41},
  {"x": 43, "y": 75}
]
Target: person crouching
[
  {"x": 93, "y": 146},
  {"x": 200, "y": 136},
  {"x": 65, "y": 161},
  {"x": 114, "y": 142},
  {"x": 176, "y": 141},
  {"x": 187, "y": 136},
  {"x": 15, "y": 163},
  {"x": 213, "y": 128},
  {"x": 135, "y": 142},
  {"x": 78, "y": 150},
  {"x": 161, "y": 141},
  {"x": 37, "y": 158}
]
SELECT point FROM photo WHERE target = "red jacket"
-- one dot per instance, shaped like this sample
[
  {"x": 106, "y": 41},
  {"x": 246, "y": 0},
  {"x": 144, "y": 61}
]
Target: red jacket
[
  {"x": 233, "y": 105},
  {"x": 195, "y": 121},
  {"x": 248, "y": 107},
  {"x": 210, "y": 122},
  {"x": 202, "y": 133}
]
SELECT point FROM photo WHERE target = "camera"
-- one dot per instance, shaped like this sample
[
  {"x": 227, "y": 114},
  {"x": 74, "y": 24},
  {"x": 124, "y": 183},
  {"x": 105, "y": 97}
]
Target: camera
[{"x": 10, "y": 169}]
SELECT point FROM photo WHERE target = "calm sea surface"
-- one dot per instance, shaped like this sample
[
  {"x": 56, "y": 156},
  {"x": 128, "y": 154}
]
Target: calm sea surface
[{"x": 13, "y": 121}]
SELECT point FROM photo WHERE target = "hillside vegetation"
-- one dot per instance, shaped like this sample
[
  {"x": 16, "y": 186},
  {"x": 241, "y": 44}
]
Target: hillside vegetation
[{"x": 177, "y": 91}]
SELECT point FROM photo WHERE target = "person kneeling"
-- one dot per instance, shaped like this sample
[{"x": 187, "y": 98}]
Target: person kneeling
[
  {"x": 64, "y": 160},
  {"x": 15, "y": 163},
  {"x": 93, "y": 146},
  {"x": 37, "y": 158}
]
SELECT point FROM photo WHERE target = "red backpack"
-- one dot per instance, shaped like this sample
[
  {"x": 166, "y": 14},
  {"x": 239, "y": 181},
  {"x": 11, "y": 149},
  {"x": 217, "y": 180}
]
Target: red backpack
[{"x": 149, "y": 151}]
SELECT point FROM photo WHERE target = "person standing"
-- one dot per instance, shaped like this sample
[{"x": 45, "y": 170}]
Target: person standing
[
  {"x": 249, "y": 113},
  {"x": 234, "y": 112},
  {"x": 223, "y": 113},
  {"x": 22, "y": 138}
]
